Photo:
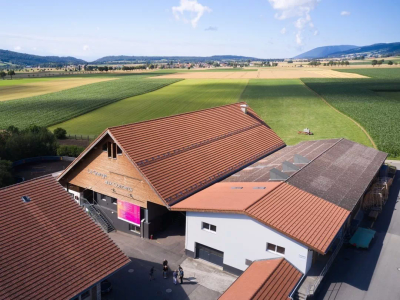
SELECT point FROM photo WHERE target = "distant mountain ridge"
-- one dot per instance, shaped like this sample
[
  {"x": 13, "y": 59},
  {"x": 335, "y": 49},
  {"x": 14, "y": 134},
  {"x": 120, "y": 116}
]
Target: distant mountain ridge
[
  {"x": 133, "y": 59},
  {"x": 321, "y": 52},
  {"x": 30, "y": 59},
  {"x": 381, "y": 48}
]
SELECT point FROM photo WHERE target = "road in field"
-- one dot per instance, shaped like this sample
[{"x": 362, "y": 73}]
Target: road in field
[
  {"x": 22, "y": 88},
  {"x": 288, "y": 107},
  {"x": 180, "y": 97}
]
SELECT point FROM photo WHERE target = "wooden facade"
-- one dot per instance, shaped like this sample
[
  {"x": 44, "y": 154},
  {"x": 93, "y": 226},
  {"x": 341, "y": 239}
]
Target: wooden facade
[{"x": 115, "y": 177}]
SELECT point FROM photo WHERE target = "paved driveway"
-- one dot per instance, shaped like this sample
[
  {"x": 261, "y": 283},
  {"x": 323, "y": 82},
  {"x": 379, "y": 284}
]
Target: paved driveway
[
  {"x": 374, "y": 273},
  {"x": 202, "y": 280}
]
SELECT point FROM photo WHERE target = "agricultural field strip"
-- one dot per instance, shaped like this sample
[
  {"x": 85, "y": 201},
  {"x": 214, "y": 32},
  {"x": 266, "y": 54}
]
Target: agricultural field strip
[
  {"x": 369, "y": 102},
  {"x": 180, "y": 97},
  {"x": 288, "y": 106},
  {"x": 30, "y": 89},
  {"x": 53, "y": 108}
]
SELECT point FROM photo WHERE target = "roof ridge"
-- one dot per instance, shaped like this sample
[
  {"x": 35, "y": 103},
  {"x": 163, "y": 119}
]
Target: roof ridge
[
  {"x": 25, "y": 181},
  {"x": 322, "y": 153},
  {"x": 266, "y": 194},
  {"x": 181, "y": 114}
]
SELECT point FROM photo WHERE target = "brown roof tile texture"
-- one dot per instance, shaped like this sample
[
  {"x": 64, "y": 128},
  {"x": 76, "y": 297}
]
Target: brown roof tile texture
[
  {"x": 50, "y": 249},
  {"x": 300, "y": 215},
  {"x": 182, "y": 154},
  {"x": 272, "y": 279}
]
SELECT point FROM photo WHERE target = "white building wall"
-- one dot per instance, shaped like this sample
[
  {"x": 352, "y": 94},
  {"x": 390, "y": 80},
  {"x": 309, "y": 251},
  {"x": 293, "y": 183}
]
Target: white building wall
[{"x": 241, "y": 237}]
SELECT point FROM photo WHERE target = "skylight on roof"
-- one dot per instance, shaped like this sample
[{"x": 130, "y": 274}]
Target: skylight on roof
[
  {"x": 236, "y": 187},
  {"x": 26, "y": 199},
  {"x": 259, "y": 188}
]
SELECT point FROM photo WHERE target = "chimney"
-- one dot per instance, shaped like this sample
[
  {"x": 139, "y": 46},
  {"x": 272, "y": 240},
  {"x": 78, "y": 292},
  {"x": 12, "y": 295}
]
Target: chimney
[{"x": 244, "y": 107}]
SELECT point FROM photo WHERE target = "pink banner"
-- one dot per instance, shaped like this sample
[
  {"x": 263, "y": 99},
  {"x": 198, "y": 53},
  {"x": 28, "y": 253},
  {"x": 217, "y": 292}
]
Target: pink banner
[{"x": 128, "y": 212}]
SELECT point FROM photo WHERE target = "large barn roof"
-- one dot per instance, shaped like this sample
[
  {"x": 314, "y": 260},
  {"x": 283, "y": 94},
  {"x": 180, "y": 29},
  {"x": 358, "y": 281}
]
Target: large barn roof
[
  {"x": 50, "y": 248},
  {"x": 181, "y": 154},
  {"x": 265, "y": 279}
]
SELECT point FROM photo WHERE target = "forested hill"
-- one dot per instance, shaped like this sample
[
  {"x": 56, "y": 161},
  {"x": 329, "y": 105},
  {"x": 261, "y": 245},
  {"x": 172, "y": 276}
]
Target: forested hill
[
  {"x": 136, "y": 59},
  {"x": 24, "y": 59},
  {"x": 321, "y": 52},
  {"x": 382, "y": 49}
]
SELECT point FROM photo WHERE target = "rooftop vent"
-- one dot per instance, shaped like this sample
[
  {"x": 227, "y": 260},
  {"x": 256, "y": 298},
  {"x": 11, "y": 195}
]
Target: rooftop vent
[
  {"x": 259, "y": 188},
  {"x": 26, "y": 199},
  {"x": 244, "y": 107},
  {"x": 275, "y": 174},
  {"x": 289, "y": 167},
  {"x": 236, "y": 187},
  {"x": 298, "y": 159}
]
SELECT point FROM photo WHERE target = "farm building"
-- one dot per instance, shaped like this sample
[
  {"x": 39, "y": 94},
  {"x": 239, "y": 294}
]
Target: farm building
[
  {"x": 50, "y": 248},
  {"x": 245, "y": 196},
  {"x": 133, "y": 174}
]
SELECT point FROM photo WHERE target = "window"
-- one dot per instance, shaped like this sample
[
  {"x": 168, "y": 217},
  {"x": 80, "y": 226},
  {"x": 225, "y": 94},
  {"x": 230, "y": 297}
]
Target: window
[
  {"x": 114, "y": 150},
  {"x": 134, "y": 228},
  {"x": 275, "y": 248},
  {"x": 119, "y": 151},
  {"x": 114, "y": 201},
  {"x": 105, "y": 147},
  {"x": 109, "y": 149},
  {"x": 209, "y": 227},
  {"x": 85, "y": 295}
]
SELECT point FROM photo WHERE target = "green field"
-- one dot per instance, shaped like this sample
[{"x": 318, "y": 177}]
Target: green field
[
  {"x": 53, "y": 108},
  {"x": 373, "y": 102},
  {"x": 183, "y": 96},
  {"x": 288, "y": 106}
]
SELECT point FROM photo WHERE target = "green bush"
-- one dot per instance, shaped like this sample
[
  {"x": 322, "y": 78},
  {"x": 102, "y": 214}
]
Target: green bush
[
  {"x": 60, "y": 133},
  {"x": 69, "y": 150},
  {"x": 6, "y": 177}
]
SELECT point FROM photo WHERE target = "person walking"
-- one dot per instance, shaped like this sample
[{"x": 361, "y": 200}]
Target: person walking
[
  {"x": 175, "y": 276},
  {"x": 181, "y": 274},
  {"x": 165, "y": 271},
  {"x": 151, "y": 273}
]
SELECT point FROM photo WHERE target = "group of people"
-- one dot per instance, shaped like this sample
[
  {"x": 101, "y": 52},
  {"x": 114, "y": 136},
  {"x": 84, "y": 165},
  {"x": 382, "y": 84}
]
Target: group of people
[{"x": 175, "y": 274}]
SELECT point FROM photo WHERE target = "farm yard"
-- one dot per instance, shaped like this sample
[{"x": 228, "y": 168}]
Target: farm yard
[
  {"x": 287, "y": 99},
  {"x": 52, "y": 108}
]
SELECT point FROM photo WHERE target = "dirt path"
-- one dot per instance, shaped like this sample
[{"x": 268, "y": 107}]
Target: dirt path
[{"x": 355, "y": 122}]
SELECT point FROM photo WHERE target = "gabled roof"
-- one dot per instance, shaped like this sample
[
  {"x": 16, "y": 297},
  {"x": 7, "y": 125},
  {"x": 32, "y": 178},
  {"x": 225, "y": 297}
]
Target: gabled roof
[
  {"x": 272, "y": 279},
  {"x": 50, "y": 248},
  {"x": 341, "y": 174},
  {"x": 297, "y": 214},
  {"x": 182, "y": 154}
]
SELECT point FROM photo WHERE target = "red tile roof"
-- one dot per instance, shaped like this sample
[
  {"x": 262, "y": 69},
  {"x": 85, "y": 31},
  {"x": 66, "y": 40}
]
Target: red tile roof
[
  {"x": 50, "y": 249},
  {"x": 302, "y": 216},
  {"x": 182, "y": 154},
  {"x": 272, "y": 279},
  {"x": 297, "y": 214},
  {"x": 226, "y": 197}
]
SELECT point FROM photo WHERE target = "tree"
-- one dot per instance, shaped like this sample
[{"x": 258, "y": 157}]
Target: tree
[
  {"x": 3, "y": 74},
  {"x": 390, "y": 63},
  {"x": 11, "y": 73},
  {"x": 60, "y": 133},
  {"x": 380, "y": 62},
  {"x": 6, "y": 177},
  {"x": 347, "y": 63},
  {"x": 374, "y": 62}
]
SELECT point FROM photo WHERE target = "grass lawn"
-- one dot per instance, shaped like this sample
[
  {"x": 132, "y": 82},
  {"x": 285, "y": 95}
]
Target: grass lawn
[
  {"x": 373, "y": 102},
  {"x": 53, "y": 108},
  {"x": 180, "y": 97},
  {"x": 287, "y": 106}
]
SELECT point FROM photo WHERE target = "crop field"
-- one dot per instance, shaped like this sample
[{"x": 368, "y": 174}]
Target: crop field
[
  {"x": 374, "y": 103},
  {"x": 53, "y": 108},
  {"x": 288, "y": 106},
  {"x": 21, "y": 88},
  {"x": 180, "y": 97}
]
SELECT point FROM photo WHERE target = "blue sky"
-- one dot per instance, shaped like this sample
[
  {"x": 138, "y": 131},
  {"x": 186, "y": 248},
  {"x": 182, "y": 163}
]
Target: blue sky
[{"x": 265, "y": 29}]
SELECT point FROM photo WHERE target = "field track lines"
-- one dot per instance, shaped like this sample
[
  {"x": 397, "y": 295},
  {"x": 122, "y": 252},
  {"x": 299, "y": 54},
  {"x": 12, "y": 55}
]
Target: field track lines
[{"x": 354, "y": 121}]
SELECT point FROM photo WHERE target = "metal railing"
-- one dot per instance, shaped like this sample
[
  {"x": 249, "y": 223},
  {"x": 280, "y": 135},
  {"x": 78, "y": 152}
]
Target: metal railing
[
  {"x": 312, "y": 288},
  {"x": 97, "y": 216}
]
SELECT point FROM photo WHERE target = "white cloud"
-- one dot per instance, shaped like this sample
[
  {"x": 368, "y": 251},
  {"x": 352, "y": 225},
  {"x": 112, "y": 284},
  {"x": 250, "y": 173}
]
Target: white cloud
[
  {"x": 211, "y": 28},
  {"x": 17, "y": 48},
  {"x": 345, "y": 13},
  {"x": 196, "y": 9},
  {"x": 85, "y": 48},
  {"x": 316, "y": 32},
  {"x": 34, "y": 48},
  {"x": 283, "y": 30},
  {"x": 299, "y": 9}
]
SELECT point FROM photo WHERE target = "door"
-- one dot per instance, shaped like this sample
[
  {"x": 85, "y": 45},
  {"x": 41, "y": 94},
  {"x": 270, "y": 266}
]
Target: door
[{"x": 209, "y": 254}]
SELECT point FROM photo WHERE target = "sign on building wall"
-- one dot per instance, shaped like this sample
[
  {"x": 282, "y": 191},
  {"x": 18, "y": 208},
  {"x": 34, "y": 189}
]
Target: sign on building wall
[{"x": 128, "y": 212}]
